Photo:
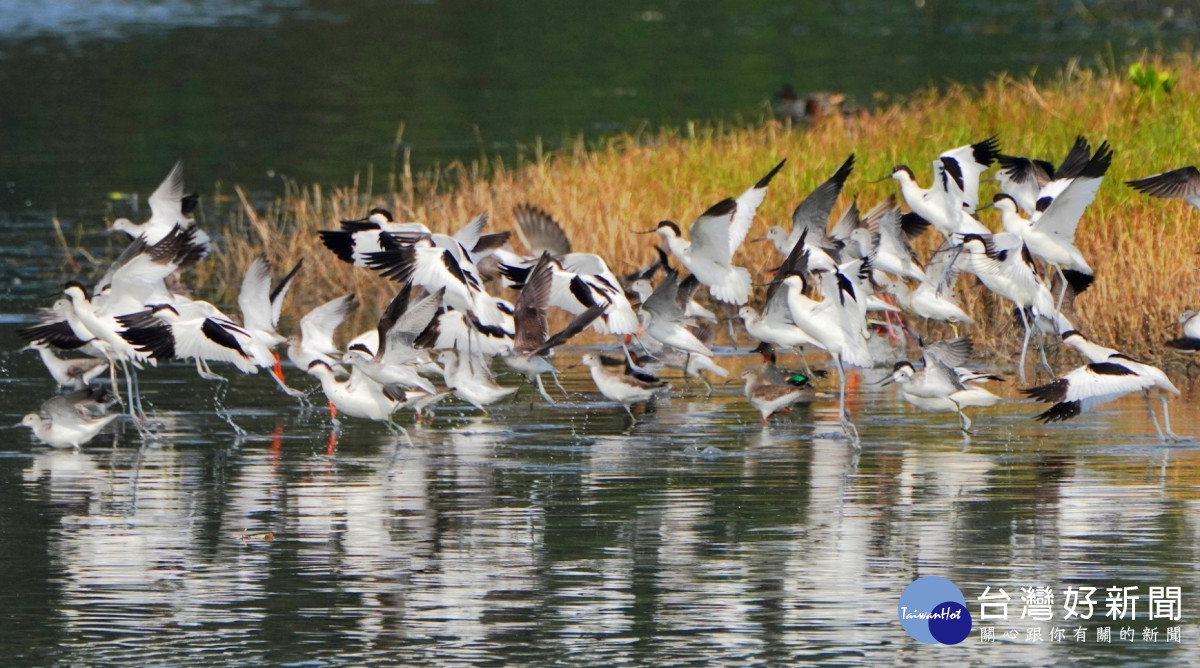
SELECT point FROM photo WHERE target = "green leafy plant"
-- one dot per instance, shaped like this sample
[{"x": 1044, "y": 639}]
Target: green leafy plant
[{"x": 1149, "y": 80}]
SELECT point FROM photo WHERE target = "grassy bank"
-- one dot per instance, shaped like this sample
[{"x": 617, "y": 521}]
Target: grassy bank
[{"x": 1143, "y": 249}]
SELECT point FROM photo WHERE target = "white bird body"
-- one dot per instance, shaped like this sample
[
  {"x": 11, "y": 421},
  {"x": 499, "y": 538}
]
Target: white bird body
[
  {"x": 315, "y": 340},
  {"x": 839, "y": 329},
  {"x": 940, "y": 386},
  {"x": 72, "y": 373},
  {"x": 1108, "y": 375},
  {"x": 948, "y": 204},
  {"x": 65, "y": 434},
  {"x": 169, "y": 209},
  {"x": 359, "y": 396},
  {"x": 1045, "y": 246},
  {"x": 998, "y": 262},
  {"x": 439, "y": 262},
  {"x": 664, "y": 319},
  {"x": 470, "y": 381},
  {"x": 715, "y": 237},
  {"x": 927, "y": 301},
  {"x": 936, "y": 206},
  {"x": 1097, "y": 353},
  {"x": 838, "y": 322},
  {"x": 580, "y": 280},
  {"x": 406, "y": 375},
  {"x": 1189, "y": 342},
  {"x": 103, "y": 328},
  {"x": 625, "y": 389},
  {"x": 71, "y": 419},
  {"x": 775, "y": 326},
  {"x": 389, "y": 354},
  {"x": 1088, "y": 386},
  {"x": 197, "y": 331}
]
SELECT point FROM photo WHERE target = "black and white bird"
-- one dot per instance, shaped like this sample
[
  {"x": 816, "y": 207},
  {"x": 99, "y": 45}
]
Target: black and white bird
[
  {"x": 942, "y": 384},
  {"x": 714, "y": 238},
  {"x": 1026, "y": 179},
  {"x": 1189, "y": 342},
  {"x": 579, "y": 281},
  {"x": 438, "y": 262},
  {"x": 1050, "y": 233},
  {"x": 395, "y": 358},
  {"x": 471, "y": 380},
  {"x": 810, "y": 220},
  {"x": 948, "y": 204},
  {"x": 360, "y": 397},
  {"x": 1108, "y": 375},
  {"x": 934, "y": 298},
  {"x": 1003, "y": 264},
  {"x": 837, "y": 322},
  {"x": 532, "y": 340},
  {"x": 665, "y": 321},
  {"x": 170, "y": 208},
  {"x": 315, "y": 339}
]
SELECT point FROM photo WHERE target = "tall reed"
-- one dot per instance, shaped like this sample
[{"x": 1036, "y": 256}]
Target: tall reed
[{"x": 1143, "y": 249}]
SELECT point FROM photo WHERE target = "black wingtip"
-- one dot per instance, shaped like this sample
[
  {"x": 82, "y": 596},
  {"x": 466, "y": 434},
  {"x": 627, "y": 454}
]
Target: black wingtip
[
  {"x": 986, "y": 151},
  {"x": 1059, "y": 412},
  {"x": 188, "y": 204},
  {"x": 491, "y": 241},
  {"x": 1078, "y": 280},
  {"x": 341, "y": 242},
  {"x": 1098, "y": 166},
  {"x": 725, "y": 207},
  {"x": 1052, "y": 392},
  {"x": 766, "y": 180},
  {"x": 1077, "y": 158},
  {"x": 157, "y": 341},
  {"x": 285, "y": 281},
  {"x": 843, "y": 172}
]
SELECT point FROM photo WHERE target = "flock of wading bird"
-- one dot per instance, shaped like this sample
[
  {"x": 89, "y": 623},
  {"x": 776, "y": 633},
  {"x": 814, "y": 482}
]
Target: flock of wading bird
[{"x": 836, "y": 289}]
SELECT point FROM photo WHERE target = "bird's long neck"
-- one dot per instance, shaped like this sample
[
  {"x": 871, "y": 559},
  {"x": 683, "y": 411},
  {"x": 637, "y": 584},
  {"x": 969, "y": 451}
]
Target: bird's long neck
[{"x": 1013, "y": 222}]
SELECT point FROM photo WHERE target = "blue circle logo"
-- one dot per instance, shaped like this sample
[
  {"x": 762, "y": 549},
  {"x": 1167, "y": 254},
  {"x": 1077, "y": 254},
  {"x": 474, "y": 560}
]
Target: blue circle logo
[{"x": 933, "y": 610}]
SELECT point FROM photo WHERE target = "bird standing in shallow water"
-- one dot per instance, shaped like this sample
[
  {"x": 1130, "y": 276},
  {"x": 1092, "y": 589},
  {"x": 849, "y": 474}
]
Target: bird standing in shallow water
[
  {"x": 770, "y": 398},
  {"x": 71, "y": 420},
  {"x": 630, "y": 387},
  {"x": 1190, "y": 341},
  {"x": 941, "y": 385}
]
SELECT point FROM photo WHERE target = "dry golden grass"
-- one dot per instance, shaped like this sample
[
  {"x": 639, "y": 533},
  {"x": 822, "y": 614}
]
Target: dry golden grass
[{"x": 1143, "y": 249}]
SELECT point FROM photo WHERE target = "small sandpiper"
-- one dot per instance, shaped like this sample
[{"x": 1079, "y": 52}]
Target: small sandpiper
[{"x": 626, "y": 388}]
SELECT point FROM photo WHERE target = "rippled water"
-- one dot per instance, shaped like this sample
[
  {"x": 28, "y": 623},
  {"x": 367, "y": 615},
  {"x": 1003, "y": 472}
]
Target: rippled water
[{"x": 541, "y": 534}]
